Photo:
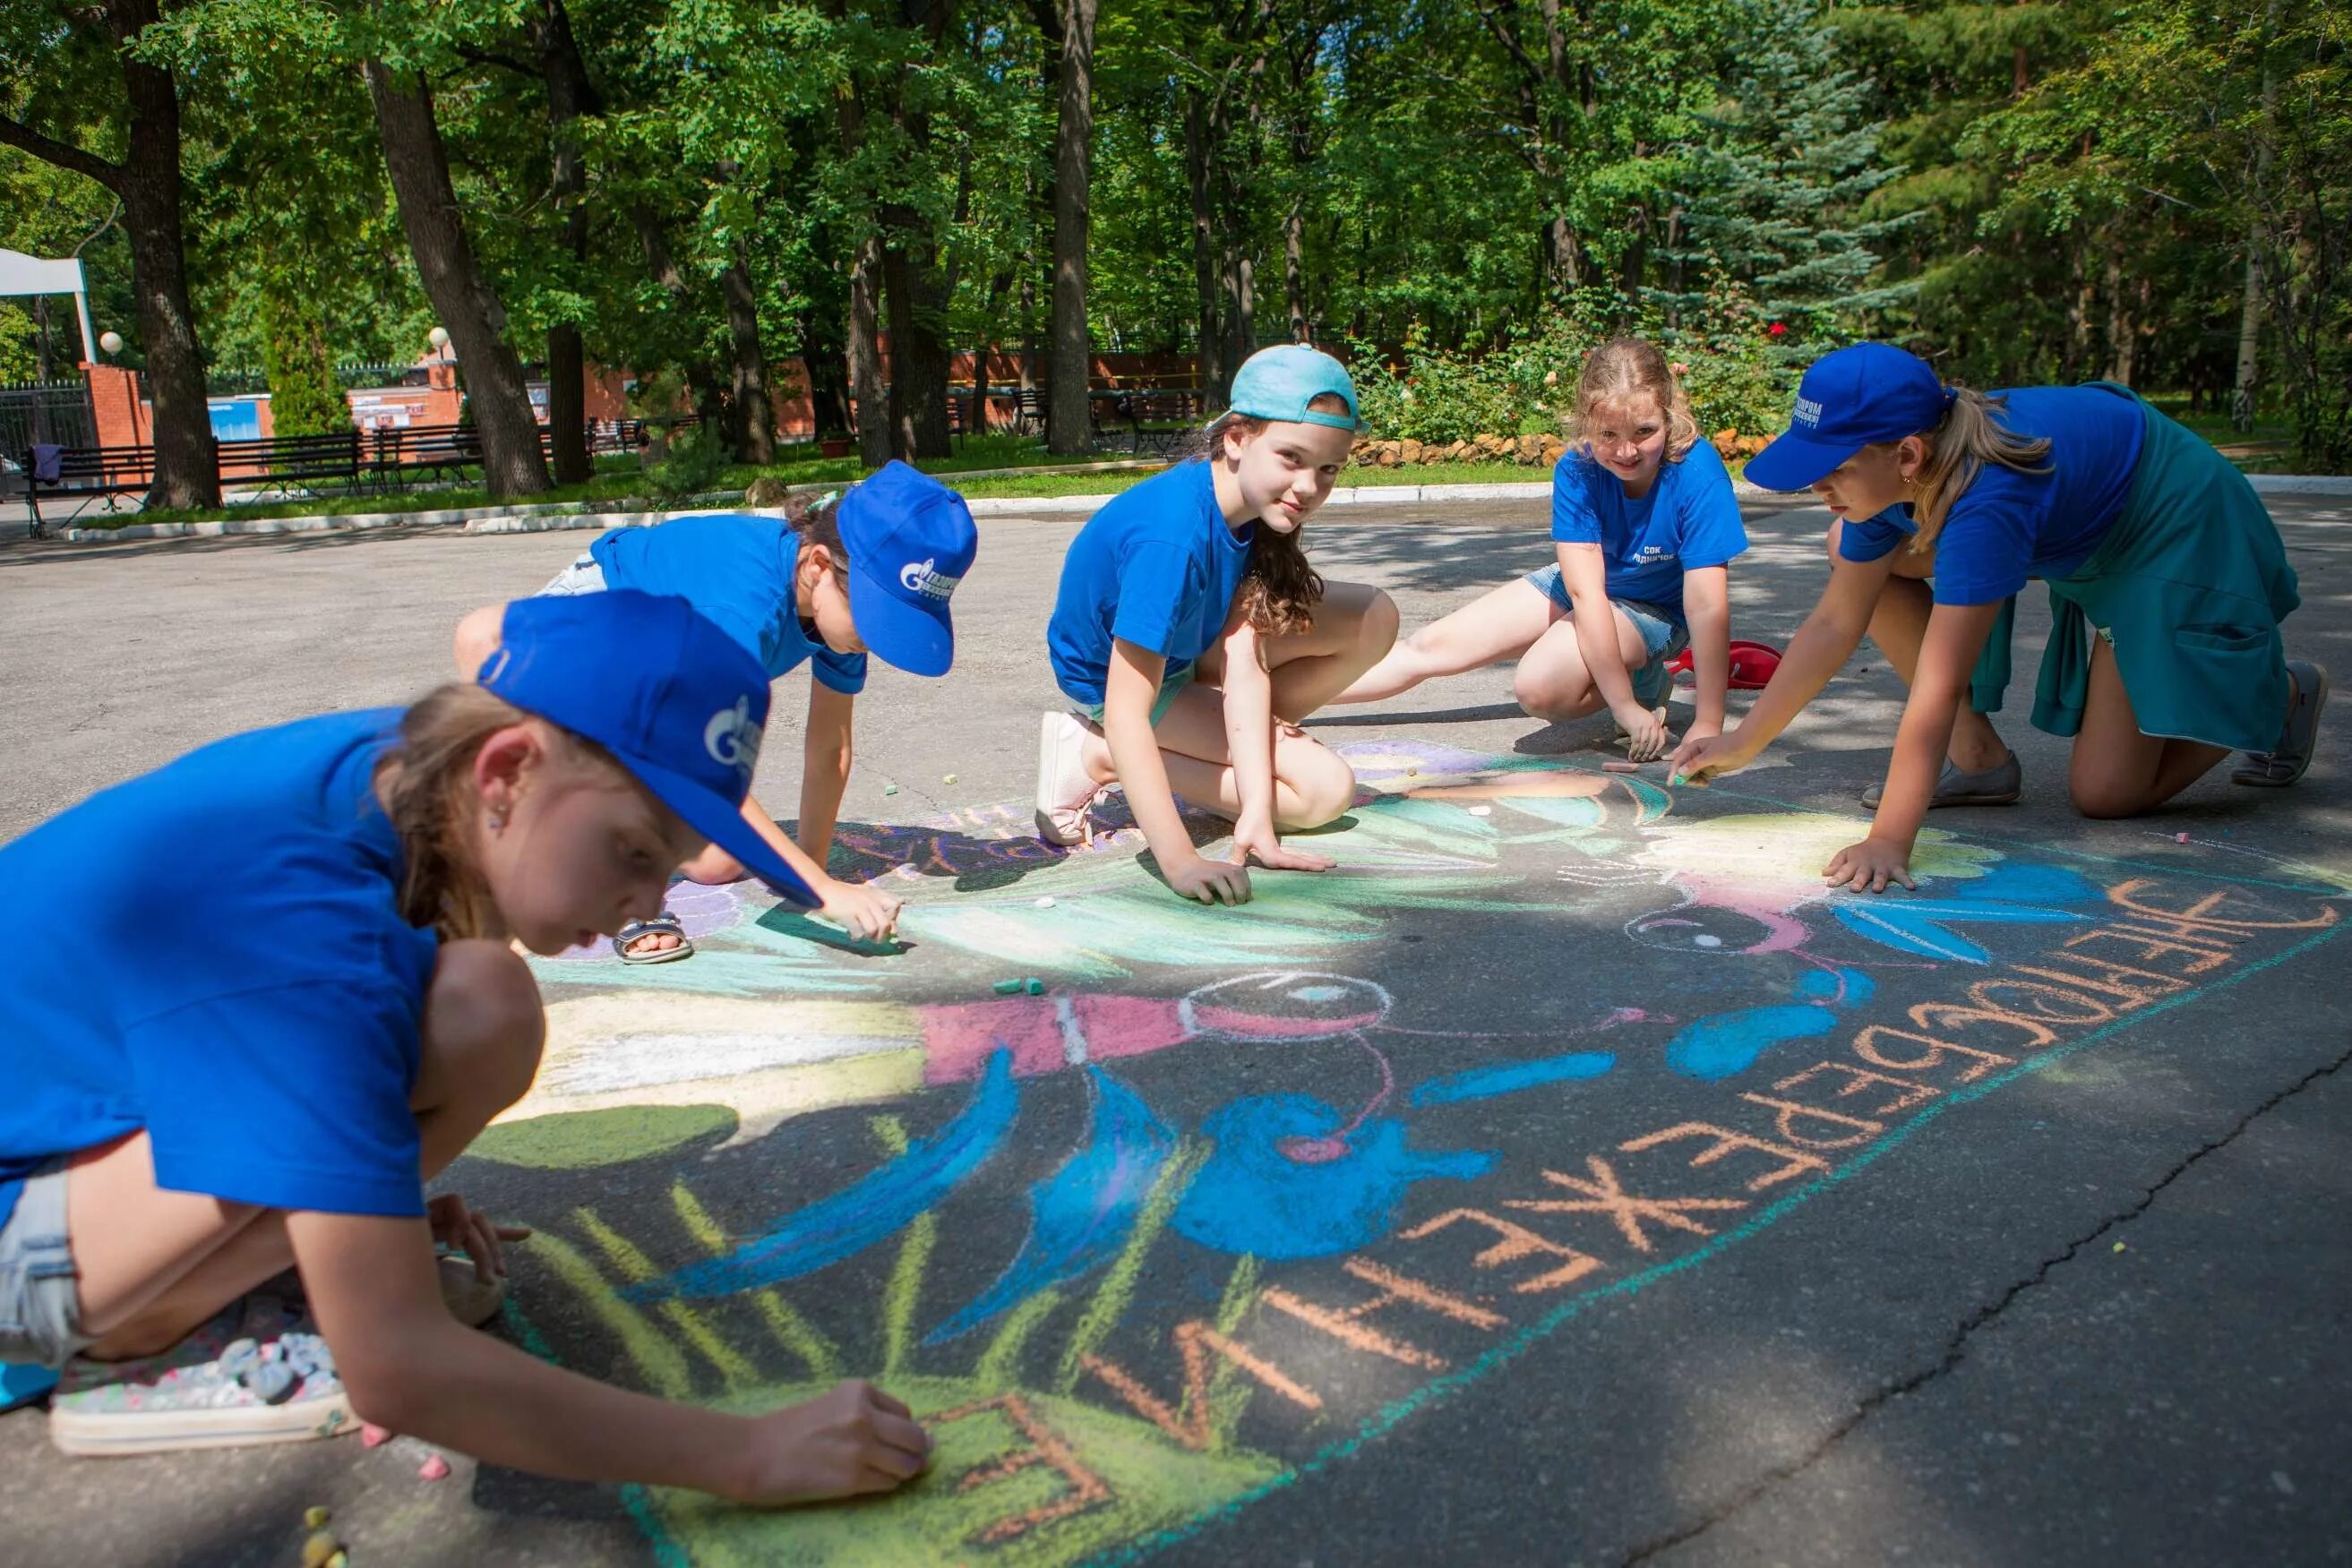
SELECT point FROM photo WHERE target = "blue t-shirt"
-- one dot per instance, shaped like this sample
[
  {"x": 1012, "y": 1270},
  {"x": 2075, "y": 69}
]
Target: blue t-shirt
[
  {"x": 2006, "y": 525},
  {"x": 1157, "y": 566},
  {"x": 229, "y": 970},
  {"x": 737, "y": 570},
  {"x": 1689, "y": 519}
]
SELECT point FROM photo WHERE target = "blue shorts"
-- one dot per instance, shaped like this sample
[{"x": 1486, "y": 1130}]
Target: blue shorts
[
  {"x": 586, "y": 575},
  {"x": 40, "y": 1293},
  {"x": 1664, "y": 634},
  {"x": 1170, "y": 683}
]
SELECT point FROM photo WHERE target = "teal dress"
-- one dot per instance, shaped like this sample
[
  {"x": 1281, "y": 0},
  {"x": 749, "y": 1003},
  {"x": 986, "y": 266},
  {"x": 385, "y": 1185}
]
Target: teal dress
[{"x": 2189, "y": 586}]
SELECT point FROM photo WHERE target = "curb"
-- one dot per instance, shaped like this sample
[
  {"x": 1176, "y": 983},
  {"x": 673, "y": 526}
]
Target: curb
[{"x": 573, "y": 516}]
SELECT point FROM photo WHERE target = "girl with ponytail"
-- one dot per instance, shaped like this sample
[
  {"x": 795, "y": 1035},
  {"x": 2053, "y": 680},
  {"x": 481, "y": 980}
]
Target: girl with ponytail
[
  {"x": 1191, "y": 636},
  {"x": 2167, "y": 580}
]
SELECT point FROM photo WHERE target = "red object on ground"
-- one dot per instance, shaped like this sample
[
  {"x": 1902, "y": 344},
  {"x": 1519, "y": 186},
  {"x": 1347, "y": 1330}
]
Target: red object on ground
[
  {"x": 1752, "y": 664},
  {"x": 435, "y": 1468},
  {"x": 371, "y": 1436}
]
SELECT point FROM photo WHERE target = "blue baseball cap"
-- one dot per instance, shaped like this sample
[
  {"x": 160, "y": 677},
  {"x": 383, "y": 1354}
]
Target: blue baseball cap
[
  {"x": 1279, "y": 382},
  {"x": 1848, "y": 400},
  {"x": 910, "y": 540},
  {"x": 683, "y": 713}
]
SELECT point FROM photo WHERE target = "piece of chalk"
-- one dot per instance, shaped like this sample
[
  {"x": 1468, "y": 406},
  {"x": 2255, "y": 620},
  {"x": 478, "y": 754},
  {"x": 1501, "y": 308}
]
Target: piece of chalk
[
  {"x": 889, "y": 789},
  {"x": 318, "y": 1548},
  {"x": 2180, "y": 838},
  {"x": 1412, "y": 772},
  {"x": 341, "y": 1559},
  {"x": 1035, "y": 987},
  {"x": 1481, "y": 810},
  {"x": 1008, "y": 987},
  {"x": 316, "y": 1518},
  {"x": 2120, "y": 1245},
  {"x": 1047, "y": 903},
  {"x": 373, "y": 1437},
  {"x": 947, "y": 778},
  {"x": 433, "y": 1469},
  {"x": 1620, "y": 766}
]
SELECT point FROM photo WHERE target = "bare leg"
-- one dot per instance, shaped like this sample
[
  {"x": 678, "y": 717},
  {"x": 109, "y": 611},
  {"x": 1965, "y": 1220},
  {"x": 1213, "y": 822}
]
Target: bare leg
[
  {"x": 2117, "y": 771},
  {"x": 1553, "y": 680},
  {"x": 1898, "y": 626},
  {"x": 477, "y": 634},
  {"x": 1312, "y": 784},
  {"x": 1498, "y": 626},
  {"x": 154, "y": 1264},
  {"x": 1355, "y": 626}
]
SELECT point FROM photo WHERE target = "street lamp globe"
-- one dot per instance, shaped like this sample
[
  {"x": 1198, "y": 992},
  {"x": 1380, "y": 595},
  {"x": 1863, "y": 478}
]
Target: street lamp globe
[
  {"x": 111, "y": 341},
  {"x": 438, "y": 338}
]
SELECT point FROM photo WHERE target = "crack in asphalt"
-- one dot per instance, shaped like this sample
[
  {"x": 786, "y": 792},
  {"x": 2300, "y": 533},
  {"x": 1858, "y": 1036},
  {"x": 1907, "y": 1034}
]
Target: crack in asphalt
[{"x": 1955, "y": 1349}]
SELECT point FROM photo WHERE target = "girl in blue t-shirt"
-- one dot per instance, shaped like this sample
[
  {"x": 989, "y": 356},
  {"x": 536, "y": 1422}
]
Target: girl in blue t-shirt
[
  {"x": 824, "y": 585},
  {"x": 1644, "y": 523},
  {"x": 1194, "y": 636},
  {"x": 293, "y": 1000},
  {"x": 2166, "y": 579}
]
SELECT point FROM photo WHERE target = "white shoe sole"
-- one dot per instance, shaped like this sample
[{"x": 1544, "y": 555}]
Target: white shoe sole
[
  {"x": 1049, "y": 768},
  {"x": 122, "y": 1432}
]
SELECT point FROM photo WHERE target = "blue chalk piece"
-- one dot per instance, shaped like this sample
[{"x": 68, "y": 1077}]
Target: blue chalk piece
[
  {"x": 1728, "y": 1043},
  {"x": 1486, "y": 1083},
  {"x": 23, "y": 1385}
]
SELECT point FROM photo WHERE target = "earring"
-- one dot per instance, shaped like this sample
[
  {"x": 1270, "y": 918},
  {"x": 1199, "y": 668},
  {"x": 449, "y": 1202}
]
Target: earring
[{"x": 497, "y": 819}]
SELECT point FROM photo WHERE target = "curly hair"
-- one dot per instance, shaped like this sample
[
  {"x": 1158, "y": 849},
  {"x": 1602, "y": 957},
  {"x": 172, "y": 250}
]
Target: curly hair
[{"x": 1622, "y": 367}]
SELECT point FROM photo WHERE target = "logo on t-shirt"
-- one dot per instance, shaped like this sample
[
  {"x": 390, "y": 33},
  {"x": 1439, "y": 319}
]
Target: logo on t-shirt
[
  {"x": 1809, "y": 412},
  {"x": 732, "y": 739},
  {"x": 920, "y": 577}
]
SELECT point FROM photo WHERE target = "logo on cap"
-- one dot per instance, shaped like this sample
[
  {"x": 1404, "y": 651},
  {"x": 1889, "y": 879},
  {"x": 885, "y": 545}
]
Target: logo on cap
[
  {"x": 920, "y": 577},
  {"x": 1808, "y": 411},
  {"x": 732, "y": 738}
]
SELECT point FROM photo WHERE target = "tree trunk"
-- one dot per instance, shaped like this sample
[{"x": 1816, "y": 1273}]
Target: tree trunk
[
  {"x": 1294, "y": 268},
  {"x": 2123, "y": 334},
  {"x": 1198, "y": 155},
  {"x": 919, "y": 349},
  {"x": 865, "y": 354},
  {"x": 2250, "y": 311},
  {"x": 825, "y": 353},
  {"x": 1066, "y": 432},
  {"x": 461, "y": 296},
  {"x": 1240, "y": 308},
  {"x": 755, "y": 415},
  {"x": 570, "y": 95},
  {"x": 663, "y": 269},
  {"x": 186, "y": 474},
  {"x": 1560, "y": 264}
]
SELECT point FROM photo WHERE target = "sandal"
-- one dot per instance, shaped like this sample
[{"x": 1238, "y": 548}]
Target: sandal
[
  {"x": 662, "y": 924},
  {"x": 2298, "y": 737}
]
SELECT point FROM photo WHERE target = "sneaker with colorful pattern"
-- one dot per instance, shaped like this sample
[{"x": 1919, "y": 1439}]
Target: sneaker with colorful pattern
[{"x": 258, "y": 1372}]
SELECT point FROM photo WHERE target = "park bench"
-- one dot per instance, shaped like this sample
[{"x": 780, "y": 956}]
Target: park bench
[
  {"x": 286, "y": 463},
  {"x": 85, "y": 473},
  {"x": 1156, "y": 418}
]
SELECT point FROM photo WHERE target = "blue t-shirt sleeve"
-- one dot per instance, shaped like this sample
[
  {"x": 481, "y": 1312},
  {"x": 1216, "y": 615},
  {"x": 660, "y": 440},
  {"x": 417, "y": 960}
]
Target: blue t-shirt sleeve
[
  {"x": 1574, "y": 519},
  {"x": 1874, "y": 538},
  {"x": 1712, "y": 533},
  {"x": 1984, "y": 552},
  {"x": 291, "y": 1096},
  {"x": 1158, "y": 593},
  {"x": 843, "y": 673}
]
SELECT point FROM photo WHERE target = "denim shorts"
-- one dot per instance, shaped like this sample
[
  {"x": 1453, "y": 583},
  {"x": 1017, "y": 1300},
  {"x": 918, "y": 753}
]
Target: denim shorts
[
  {"x": 1664, "y": 635},
  {"x": 40, "y": 1299},
  {"x": 586, "y": 575},
  {"x": 1170, "y": 683}
]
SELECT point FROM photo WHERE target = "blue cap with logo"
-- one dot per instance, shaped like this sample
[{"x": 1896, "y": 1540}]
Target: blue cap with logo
[
  {"x": 683, "y": 713},
  {"x": 1848, "y": 400},
  {"x": 1279, "y": 382},
  {"x": 910, "y": 540}
]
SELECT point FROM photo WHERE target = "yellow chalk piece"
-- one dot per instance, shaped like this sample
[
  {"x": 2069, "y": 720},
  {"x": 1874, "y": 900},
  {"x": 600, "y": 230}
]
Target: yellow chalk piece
[
  {"x": 318, "y": 1549},
  {"x": 316, "y": 1518},
  {"x": 339, "y": 1560},
  {"x": 947, "y": 778},
  {"x": 2120, "y": 1245}
]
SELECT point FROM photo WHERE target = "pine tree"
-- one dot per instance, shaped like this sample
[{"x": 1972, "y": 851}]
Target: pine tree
[
  {"x": 305, "y": 399},
  {"x": 1775, "y": 195}
]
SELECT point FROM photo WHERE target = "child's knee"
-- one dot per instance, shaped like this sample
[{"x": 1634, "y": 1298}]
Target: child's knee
[
  {"x": 712, "y": 867},
  {"x": 1380, "y": 621},
  {"x": 484, "y": 1024},
  {"x": 1321, "y": 783},
  {"x": 1548, "y": 695},
  {"x": 2104, "y": 797}
]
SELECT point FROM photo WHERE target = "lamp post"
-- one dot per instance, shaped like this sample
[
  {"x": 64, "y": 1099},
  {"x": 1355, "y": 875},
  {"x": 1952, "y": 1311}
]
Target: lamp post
[{"x": 110, "y": 343}]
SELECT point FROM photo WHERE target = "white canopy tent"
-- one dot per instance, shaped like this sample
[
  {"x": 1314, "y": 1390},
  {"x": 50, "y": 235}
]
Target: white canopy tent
[{"x": 22, "y": 274}]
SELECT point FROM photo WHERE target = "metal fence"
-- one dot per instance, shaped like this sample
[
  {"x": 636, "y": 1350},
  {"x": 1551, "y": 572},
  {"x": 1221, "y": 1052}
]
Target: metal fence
[{"x": 53, "y": 412}]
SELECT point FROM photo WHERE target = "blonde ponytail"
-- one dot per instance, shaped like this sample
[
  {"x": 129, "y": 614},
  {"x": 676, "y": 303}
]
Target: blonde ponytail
[{"x": 1969, "y": 436}]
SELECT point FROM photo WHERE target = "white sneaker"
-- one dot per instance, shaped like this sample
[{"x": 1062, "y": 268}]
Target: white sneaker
[{"x": 1065, "y": 789}]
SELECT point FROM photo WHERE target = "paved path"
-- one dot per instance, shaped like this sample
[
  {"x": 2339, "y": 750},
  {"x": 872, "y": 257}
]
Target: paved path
[{"x": 1564, "y": 1179}]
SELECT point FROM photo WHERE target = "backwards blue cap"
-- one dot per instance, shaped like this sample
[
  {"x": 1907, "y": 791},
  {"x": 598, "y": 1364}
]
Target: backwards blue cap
[
  {"x": 1279, "y": 384},
  {"x": 1848, "y": 400},
  {"x": 683, "y": 713},
  {"x": 910, "y": 540}
]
